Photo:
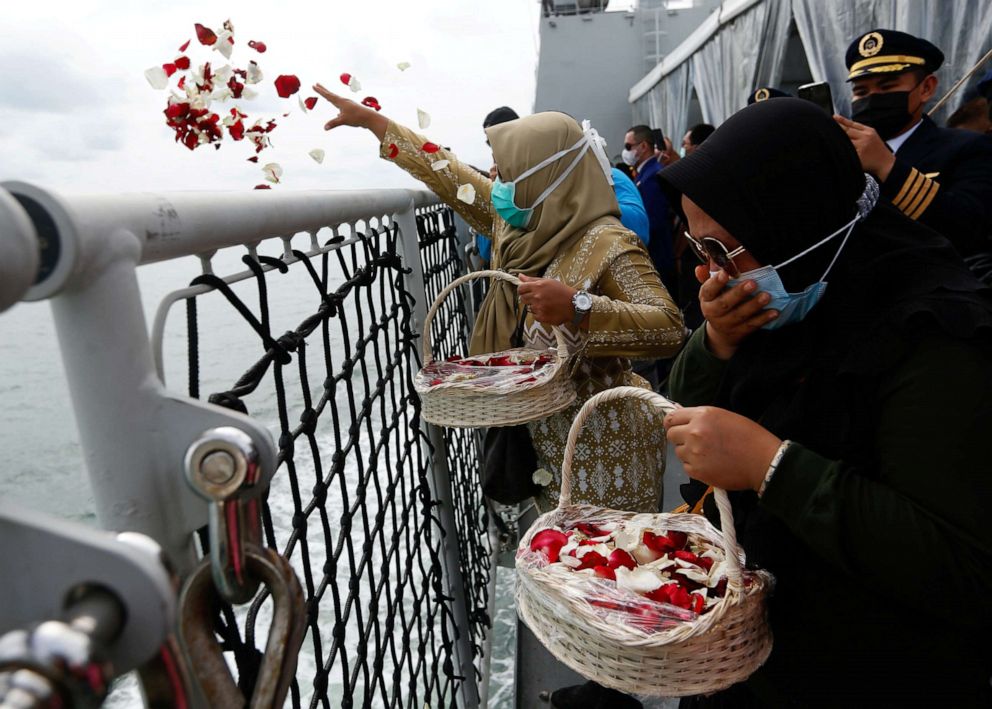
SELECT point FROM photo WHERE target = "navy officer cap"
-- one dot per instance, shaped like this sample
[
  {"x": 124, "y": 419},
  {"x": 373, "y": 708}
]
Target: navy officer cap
[
  {"x": 763, "y": 93},
  {"x": 881, "y": 52}
]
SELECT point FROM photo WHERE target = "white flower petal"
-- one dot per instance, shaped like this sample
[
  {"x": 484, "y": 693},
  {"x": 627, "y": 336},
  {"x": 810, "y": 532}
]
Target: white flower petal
[
  {"x": 272, "y": 171},
  {"x": 252, "y": 73},
  {"x": 403, "y": 66},
  {"x": 643, "y": 555},
  {"x": 569, "y": 547},
  {"x": 354, "y": 85},
  {"x": 423, "y": 119},
  {"x": 317, "y": 154},
  {"x": 303, "y": 106},
  {"x": 637, "y": 580},
  {"x": 569, "y": 561},
  {"x": 222, "y": 75},
  {"x": 223, "y": 44},
  {"x": 695, "y": 573},
  {"x": 541, "y": 476},
  {"x": 157, "y": 77},
  {"x": 466, "y": 193},
  {"x": 600, "y": 549},
  {"x": 440, "y": 165},
  {"x": 628, "y": 538}
]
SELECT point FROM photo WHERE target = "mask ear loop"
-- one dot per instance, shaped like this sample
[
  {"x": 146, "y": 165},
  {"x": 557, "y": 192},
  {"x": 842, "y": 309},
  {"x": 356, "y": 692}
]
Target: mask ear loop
[
  {"x": 561, "y": 178},
  {"x": 548, "y": 160}
]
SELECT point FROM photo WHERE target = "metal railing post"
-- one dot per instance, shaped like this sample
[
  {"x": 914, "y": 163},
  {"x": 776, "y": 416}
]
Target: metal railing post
[{"x": 440, "y": 474}]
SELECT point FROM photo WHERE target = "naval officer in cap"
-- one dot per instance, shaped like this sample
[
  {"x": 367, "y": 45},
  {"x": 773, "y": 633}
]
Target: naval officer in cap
[{"x": 938, "y": 176}]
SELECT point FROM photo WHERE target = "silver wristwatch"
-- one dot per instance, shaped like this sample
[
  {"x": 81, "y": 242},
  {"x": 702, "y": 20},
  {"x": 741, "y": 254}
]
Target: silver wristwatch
[{"x": 582, "y": 303}]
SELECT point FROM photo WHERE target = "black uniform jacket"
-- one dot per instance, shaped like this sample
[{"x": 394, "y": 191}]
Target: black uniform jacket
[{"x": 943, "y": 178}]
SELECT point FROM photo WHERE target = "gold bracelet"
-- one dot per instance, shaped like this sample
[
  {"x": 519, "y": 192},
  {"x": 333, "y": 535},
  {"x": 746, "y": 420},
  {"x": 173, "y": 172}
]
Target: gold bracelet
[{"x": 773, "y": 466}]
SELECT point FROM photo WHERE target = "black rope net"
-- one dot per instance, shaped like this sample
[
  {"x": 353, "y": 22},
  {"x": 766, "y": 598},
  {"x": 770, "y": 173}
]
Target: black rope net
[
  {"x": 442, "y": 260},
  {"x": 351, "y": 504}
]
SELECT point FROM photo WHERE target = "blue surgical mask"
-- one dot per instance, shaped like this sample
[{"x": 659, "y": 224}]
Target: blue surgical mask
[
  {"x": 792, "y": 307},
  {"x": 503, "y": 194}
]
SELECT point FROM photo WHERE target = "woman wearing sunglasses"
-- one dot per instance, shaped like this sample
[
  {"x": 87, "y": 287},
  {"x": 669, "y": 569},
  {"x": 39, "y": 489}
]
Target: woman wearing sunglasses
[{"x": 841, "y": 388}]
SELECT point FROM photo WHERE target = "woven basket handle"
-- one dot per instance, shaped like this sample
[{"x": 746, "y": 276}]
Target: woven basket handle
[
  {"x": 729, "y": 535},
  {"x": 428, "y": 342}
]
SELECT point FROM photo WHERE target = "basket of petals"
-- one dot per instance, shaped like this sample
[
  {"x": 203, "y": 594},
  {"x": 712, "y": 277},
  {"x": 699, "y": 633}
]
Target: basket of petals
[
  {"x": 497, "y": 389},
  {"x": 652, "y": 604}
]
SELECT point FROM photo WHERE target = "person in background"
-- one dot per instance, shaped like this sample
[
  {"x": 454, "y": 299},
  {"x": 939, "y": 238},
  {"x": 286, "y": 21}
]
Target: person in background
[
  {"x": 937, "y": 176},
  {"x": 663, "y": 148},
  {"x": 694, "y": 137},
  {"x": 763, "y": 93},
  {"x": 625, "y": 169},
  {"x": 638, "y": 152},
  {"x": 840, "y": 391}
]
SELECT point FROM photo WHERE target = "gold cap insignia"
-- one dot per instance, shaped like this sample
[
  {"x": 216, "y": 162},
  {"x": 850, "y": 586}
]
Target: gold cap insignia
[
  {"x": 870, "y": 44},
  {"x": 761, "y": 95}
]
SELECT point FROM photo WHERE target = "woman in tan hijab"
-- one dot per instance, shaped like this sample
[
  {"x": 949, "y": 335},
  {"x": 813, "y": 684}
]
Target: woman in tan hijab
[{"x": 570, "y": 243}]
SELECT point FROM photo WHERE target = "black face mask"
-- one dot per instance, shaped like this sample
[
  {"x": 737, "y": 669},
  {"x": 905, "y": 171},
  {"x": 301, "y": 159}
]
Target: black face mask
[{"x": 887, "y": 113}]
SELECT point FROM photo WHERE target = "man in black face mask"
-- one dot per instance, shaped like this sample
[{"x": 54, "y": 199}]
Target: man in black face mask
[{"x": 938, "y": 176}]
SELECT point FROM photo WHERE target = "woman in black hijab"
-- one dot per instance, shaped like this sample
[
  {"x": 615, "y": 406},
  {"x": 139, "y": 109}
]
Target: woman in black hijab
[{"x": 853, "y": 418}]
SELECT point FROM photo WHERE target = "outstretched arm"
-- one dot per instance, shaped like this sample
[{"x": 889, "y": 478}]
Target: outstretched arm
[{"x": 461, "y": 186}]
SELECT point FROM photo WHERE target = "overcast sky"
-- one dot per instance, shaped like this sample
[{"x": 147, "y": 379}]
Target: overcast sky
[{"x": 77, "y": 113}]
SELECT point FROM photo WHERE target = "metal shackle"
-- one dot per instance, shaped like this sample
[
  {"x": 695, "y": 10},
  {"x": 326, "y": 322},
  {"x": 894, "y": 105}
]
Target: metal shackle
[{"x": 222, "y": 466}]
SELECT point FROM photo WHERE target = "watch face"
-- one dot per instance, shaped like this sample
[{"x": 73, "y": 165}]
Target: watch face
[{"x": 583, "y": 301}]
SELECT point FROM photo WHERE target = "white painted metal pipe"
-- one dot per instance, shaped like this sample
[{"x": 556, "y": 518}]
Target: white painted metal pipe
[{"x": 18, "y": 251}]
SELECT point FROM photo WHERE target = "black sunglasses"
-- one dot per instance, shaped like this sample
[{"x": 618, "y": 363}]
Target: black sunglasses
[{"x": 709, "y": 249}]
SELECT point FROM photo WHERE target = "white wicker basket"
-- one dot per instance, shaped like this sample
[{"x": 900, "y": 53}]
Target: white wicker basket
[
  {"x": 721, "y": 647},
  {"x": 465, "y": 405}
]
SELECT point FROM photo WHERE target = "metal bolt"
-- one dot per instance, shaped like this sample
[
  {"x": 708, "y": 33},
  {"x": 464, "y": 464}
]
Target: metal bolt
[{"x": 218, "y": 467}]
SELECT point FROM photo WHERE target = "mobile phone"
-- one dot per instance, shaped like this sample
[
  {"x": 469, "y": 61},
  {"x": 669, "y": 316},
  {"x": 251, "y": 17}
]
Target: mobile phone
[{"x": 818, "y": 93}]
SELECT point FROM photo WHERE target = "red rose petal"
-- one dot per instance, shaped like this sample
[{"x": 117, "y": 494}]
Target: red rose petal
[
  {"x": 605, "y": 572},
  {"x": 345, "y": 78},
  {"x": 590, "y": 560},
  {"x": 263, "y": 187},
  {"x": 253, "y": 158},
  {"x": 287, "y": 85},
  {"x": 619, "y": 557},
  {"x": 182, "y": 82},
  {"x": 687, "y": 556},
  {"x": 371, "y": 102},
  {"x": 590, "y": 530},
  {"x": 182, "y": 63},
  {"x": 169, "y": 69},
  {"x": 549, "y": 542},
  {"x": 185, "y": 46},
  {"x": 698, "y": 602},
  {"x": 204, "y": 34},
  {"x": 430, "y": 147},
  {"x": 237, "y": 130},
  {"x": 393, "y": 150},
  {"x": 257, "y": 46}
]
